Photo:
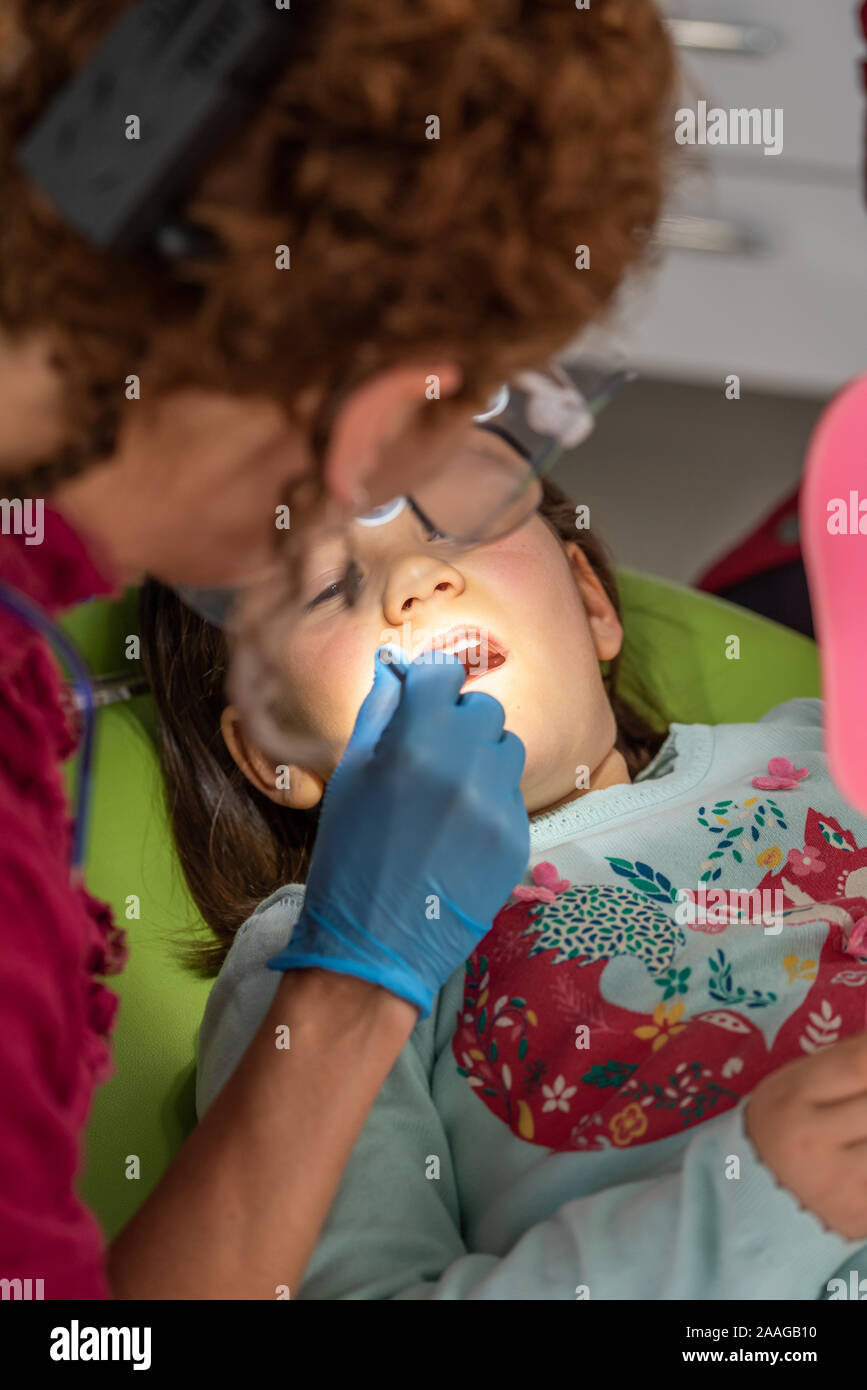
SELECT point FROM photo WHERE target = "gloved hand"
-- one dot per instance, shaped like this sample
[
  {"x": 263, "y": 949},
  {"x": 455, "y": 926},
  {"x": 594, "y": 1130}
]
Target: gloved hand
[{"x": 422, "y": 835}]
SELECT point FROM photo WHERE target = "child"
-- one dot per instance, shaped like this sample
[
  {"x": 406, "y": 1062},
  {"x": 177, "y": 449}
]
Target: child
[{"x": 571, "y": 1119}]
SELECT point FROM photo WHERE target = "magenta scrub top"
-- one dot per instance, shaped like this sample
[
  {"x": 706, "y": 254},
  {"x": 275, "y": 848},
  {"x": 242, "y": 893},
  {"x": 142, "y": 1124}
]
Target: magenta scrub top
[{"x": 55, "y": 1016}]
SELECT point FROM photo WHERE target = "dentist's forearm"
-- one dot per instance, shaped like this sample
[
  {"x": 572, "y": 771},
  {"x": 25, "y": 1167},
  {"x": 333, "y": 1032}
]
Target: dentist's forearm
[{"x": 238, "y": 1212}]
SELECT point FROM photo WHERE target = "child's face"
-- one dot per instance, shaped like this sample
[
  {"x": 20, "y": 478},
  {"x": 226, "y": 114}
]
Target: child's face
[{"x": 542, "y": 617}]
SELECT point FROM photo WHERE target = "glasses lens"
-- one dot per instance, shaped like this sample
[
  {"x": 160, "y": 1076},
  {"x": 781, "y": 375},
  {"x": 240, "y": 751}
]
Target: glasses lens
[
  {"x": 326, "y": 591},
  {"x": 302, "y": 643},
  {"x": 275, "y": 635},
  {"x": 486, "y": 489}
]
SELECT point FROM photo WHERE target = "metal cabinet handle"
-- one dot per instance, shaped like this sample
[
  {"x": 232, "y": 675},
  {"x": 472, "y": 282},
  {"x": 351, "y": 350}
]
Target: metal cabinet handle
[
  {"x": 709, "y": 234},
  {"x": 720, "y": 36}
]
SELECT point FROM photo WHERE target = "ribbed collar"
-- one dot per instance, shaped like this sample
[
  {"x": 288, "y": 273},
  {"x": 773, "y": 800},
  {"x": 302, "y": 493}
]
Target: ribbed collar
[{"x": 680, "y": 765}]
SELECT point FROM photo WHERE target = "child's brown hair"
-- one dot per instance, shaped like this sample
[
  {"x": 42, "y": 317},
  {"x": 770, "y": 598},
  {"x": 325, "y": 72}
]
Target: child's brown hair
[
  {"x": 236, "y": 847},
  {"x": 553, "y": 133}
]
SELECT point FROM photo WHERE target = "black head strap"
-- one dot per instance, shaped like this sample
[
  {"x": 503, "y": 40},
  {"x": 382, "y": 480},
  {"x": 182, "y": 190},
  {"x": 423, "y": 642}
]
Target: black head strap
[{"x": 189, "y": 71}]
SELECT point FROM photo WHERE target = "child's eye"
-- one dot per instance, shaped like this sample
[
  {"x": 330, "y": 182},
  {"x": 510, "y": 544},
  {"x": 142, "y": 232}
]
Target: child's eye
[
  {"x": 332, "y": 591},
  {"x": 346, "y": 587}
]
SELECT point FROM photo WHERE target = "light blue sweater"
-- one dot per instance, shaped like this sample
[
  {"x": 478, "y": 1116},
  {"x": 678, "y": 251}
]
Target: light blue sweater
[{"x": 569, "y": 1122}]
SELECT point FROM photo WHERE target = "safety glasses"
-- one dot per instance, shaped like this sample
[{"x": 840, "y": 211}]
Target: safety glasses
[
  {"x": 482, "y": 493},
  {"x": 479, "y": 497}
]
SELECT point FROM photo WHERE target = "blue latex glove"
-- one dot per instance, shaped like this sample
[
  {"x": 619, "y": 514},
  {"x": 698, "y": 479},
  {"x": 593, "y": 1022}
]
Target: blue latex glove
[{"x": 422, "y": 836}]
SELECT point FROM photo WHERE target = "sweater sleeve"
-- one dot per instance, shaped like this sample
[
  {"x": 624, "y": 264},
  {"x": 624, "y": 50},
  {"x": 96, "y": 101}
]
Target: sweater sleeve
[
  {"x": 45, "y": 1231},
  {"x": 394, "y": 1230}
]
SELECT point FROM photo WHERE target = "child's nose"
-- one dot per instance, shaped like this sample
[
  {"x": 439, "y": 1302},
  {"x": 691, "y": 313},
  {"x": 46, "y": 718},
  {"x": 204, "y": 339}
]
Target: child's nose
[{"x": 414, "y": 582}]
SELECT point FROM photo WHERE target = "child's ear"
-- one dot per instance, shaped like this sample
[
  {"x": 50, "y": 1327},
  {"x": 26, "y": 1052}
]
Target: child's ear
[
  {"x": 296, "y": 787},
  {"x": 605, "y": 626}
]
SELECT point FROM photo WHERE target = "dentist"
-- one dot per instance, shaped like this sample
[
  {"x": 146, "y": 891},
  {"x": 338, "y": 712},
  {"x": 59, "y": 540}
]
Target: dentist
[{"x": 163, "y": 409}]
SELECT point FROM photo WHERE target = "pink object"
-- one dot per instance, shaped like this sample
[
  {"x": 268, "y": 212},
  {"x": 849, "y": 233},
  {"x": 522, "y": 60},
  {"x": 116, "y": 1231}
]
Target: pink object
[
  {"x": 834, "y": 542},
  {"x": 857, "y": 946},
  {"x": 54, "y": 939},
  {"x": 784, "y": 774},
  {"x": 544, "y": 888},
  {"x": 857, "y": 943}
]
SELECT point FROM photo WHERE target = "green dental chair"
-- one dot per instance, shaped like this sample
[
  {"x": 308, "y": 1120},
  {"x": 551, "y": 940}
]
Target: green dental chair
[{"x": 677, "y": 642}]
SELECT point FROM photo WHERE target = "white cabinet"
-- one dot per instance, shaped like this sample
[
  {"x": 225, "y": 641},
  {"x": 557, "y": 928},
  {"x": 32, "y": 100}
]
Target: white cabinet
[
  {"x": 764, "y": 258},
  {"x": 801, "y": 55},
  {"x": 785, "y": 312}
]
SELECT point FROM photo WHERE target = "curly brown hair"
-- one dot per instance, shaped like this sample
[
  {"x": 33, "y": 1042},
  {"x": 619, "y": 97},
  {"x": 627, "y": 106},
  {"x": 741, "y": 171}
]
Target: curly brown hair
[
  {"x": 236, "y": 846},
  {"x": 462, "y": 248}
]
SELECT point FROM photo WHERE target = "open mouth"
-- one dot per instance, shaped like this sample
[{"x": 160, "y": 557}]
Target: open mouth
[{"x": 477, "y": 650}]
